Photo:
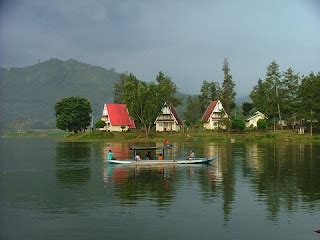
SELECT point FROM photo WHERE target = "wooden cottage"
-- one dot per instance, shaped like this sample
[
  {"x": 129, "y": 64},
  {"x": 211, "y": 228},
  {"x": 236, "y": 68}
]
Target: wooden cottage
[
  {"x": 253, "y": 120},
  {"x": 215, "y": 116},
  {"x": 168, "y": 120},
  {"x": 116, "y": 117}
]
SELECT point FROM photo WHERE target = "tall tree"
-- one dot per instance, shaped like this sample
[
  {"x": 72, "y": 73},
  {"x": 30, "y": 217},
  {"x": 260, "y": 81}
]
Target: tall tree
[
  {"x": 310, "y": 98},
  {"x": 119, "y": 86},
  {"x": 73, "y": 114},
  {"x": 167, "y": 89},
  {"x": 260, "y": 97},
  {"x": 290, "y": 92},
  {"x": 209, "y": 91},
  {"x": 193, "y": 111},
  {"x": 227, "y": 91},
  {"x": 144, "y": 101},
  {"x": 273, "y": 81},
  {"x": 246, "y": 108}
]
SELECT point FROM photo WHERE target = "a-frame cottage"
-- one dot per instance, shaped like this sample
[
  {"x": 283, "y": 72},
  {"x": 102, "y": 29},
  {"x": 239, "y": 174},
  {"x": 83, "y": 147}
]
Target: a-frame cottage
[
  {"x": 116, "y": 117},
  {"x": 253, "y": 120},
  {"x": 168, "y": 120},
  {"x": 215, "y": 116}
]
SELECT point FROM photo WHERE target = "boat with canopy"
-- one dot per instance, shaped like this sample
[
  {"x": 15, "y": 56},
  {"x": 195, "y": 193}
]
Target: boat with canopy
[{"x": 204, "y": 160}]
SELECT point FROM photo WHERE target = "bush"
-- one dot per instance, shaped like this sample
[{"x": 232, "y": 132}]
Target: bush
[
  {"x": 262, "y": 125},
  {"x": 100, "y": 124},
  {"x": 238, "y": 124}
]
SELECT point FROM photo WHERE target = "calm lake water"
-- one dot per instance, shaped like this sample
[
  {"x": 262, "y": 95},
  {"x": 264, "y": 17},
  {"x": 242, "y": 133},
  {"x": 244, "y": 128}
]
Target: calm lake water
[{"x": 55, "y": 190}]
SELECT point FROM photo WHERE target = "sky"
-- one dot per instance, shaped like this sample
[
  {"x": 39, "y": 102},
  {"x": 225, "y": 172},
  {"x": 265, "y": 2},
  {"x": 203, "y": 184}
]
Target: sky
[{"x": 186, "y": 39}]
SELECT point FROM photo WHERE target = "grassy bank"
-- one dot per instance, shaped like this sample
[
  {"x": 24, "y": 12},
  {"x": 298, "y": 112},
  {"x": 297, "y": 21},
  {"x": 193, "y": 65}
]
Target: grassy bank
[
  {"x": 193, "y": 136},
  {"x": 189, "y": 136},
  {"x": 39, "y": 133}
]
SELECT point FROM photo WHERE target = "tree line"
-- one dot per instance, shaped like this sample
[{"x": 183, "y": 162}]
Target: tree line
[
  {"x": 283, "y": 96},
  {"x": 287, "y": 97}
]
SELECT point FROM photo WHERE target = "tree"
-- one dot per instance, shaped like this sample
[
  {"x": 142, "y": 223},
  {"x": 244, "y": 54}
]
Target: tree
[
  {"x": 227, "y": 91},
  {"x": 119, "y": 86},
  {"x": 144, "y": 102},
  {"x": 100, "y": 124},
  {"x": 73, "y": 114},
  {"x": 193, "y": 112},
  {"x": 246, "y": 108},
  {"x": 290, "y": 92},
  {"x": 167, "y": 89},
  {"x": 209, "y": 91},
  {"x": 262, "y": 125},
  {"x": 273, "y": 81},
  {"x": 260, "y": 98},
  {"x": 310, "y": 98},
  {"x": 238, "y": 124}
]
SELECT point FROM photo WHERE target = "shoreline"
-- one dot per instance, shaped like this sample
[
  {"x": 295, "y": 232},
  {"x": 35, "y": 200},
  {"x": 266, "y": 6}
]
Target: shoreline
[{"x": 188, "y": 136}]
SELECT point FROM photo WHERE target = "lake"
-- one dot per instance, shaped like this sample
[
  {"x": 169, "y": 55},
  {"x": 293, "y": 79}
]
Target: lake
[{"x": 58, "y": 190}]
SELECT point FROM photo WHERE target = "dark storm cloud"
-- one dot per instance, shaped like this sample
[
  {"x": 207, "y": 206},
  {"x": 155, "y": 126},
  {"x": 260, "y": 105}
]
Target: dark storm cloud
[{"x": 186, "y": 39}]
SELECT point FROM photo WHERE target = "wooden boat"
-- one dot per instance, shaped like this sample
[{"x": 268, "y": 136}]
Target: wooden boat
[
  {"x": 159, "y": 162},
  {"x": 169, "y": 161}
]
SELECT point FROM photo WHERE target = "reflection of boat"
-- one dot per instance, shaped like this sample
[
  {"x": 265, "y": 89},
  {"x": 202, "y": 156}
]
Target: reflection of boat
[{"x": 166, "y": 161}]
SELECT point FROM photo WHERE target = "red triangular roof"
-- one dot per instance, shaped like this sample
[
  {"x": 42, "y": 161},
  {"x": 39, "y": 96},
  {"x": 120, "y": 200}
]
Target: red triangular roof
[
  {"x": 176, "y": 115},
  {"x": 209, "y": 110},
  {"x": 119, "y": 115}
]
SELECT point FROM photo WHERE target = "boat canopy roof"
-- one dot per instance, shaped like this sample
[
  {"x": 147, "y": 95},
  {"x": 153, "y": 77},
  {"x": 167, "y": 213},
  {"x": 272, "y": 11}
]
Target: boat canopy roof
[{"x": 168, "y": 146}]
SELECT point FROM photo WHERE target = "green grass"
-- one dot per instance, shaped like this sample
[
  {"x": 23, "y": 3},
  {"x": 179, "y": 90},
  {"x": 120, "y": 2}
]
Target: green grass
[
  {"x": 189, "y": 136},
  {"x": 194, "y": 136},
  {"x": 54, "y": 133}
]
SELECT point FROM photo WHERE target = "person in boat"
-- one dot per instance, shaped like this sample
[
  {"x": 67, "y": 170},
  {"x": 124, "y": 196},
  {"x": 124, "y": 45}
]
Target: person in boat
[
  {"x": 160, "y": 156},
  {"x": 148, "y": 156},
  {"x": 137, "y": 157},
  {"x": 191, "y": 155},
  {"x": 110, "y": 155}
]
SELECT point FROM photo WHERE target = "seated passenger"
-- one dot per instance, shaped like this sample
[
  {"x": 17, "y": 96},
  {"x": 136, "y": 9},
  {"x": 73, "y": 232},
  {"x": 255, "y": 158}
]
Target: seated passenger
[
  {"x": 137, "y": 157},
  {"x": 148, "y": 156},
  {"x": 160, "y": 156},
  {"x": 191, "y": 155}
]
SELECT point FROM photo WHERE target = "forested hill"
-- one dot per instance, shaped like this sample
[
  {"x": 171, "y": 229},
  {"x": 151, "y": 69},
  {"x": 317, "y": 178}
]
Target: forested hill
[{"x": 29, "y": 94}]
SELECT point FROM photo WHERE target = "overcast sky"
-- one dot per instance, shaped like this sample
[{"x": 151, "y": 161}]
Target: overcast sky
[{"x": 187, "y": 39}]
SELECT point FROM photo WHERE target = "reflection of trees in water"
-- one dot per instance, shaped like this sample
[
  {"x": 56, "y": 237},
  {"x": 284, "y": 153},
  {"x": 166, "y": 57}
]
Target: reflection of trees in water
[
  {"x": 285, "y": 175},
  {"x": 72, "y": 164},
  {"x": 143, "y": 183},
  {"x": 218, "y": 179}
]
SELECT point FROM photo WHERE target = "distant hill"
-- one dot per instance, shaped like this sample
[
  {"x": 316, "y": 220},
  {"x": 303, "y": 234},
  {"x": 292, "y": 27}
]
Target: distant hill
[{"x": 29, "y": 94}]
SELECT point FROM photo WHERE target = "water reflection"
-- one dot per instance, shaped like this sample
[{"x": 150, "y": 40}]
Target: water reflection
[
  {"x": 284, "y": 175},
  {"x": 73, "y": 164},
  {"x": 73, "y": 178},
  {"x": 139, "y": 183}
]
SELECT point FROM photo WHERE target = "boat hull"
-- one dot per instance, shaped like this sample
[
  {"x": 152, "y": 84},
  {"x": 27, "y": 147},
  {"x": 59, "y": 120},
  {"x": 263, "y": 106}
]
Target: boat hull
[{"x": 164, "y": 162}]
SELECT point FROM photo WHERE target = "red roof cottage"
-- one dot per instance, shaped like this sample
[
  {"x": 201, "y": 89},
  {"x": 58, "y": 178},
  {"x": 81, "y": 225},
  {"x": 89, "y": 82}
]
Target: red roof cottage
[
  {"x": 116, "y": 117},
  {"x": 215, "y": 116}
]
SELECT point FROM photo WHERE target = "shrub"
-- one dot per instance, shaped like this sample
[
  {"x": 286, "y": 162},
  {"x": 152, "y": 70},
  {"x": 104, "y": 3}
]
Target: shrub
[
  {"x": 238, "y": 124},
  {"x": 100, "y": 124},
  {"x": 262, "y": 125}
]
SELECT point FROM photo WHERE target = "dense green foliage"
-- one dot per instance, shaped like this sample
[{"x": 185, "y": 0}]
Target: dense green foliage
[
  {"x": 100, "y": 124},
  {"x": 73, "y": 114},
  {"x": 262, "y": 124},
  {"x": 238, "y": 124},
  {"x": 145, "y": 100},
  {"x": 310, "y": 96},
  {"x": 282, "y": 97},
  {"x": 228, "y": 93},
  {"x": 209, "y": 91},
  {"x": 192, "y": 113},
  {"x": 28, "y": 94},
  {"x": 246, "y": 108}
]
